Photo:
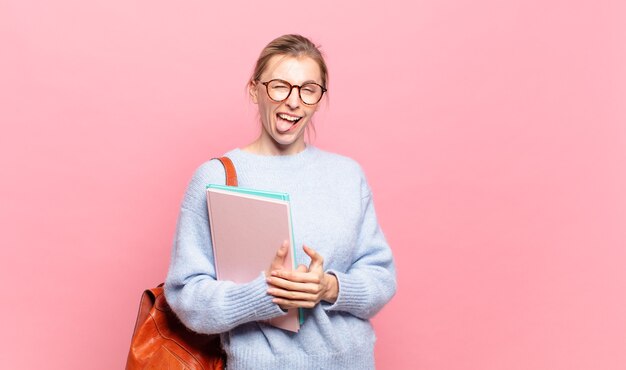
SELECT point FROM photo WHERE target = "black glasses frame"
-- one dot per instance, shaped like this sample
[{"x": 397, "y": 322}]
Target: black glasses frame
[{"x": 267, "y": 89}]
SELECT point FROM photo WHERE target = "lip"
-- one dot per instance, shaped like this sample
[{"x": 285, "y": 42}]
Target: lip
[{"x": 288, "y": 114}]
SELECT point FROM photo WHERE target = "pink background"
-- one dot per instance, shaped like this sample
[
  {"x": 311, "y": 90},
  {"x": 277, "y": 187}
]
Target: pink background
[{"x": 493, "y": 134}]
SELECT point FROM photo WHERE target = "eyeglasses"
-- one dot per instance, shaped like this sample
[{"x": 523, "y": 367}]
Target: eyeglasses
[{"x": 279, "y": 90}]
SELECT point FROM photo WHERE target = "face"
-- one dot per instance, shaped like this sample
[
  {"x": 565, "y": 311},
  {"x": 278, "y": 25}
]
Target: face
[{"x": 284, "y": 122}]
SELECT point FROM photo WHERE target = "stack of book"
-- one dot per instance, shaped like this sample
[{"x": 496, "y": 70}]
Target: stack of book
[{"x": 247, "y": 228}]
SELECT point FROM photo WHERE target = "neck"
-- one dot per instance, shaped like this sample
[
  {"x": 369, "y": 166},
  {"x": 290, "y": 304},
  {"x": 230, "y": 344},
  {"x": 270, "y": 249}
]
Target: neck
[{"x": 270, "y": 147}]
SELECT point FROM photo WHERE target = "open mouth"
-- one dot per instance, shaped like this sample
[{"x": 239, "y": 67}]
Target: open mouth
[{"x": 286, "y": 122}]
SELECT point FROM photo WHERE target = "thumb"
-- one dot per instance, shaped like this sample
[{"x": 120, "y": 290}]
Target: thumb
[
  {"x": 279, "y": 258},
  {"x": 317, "y": 261}
]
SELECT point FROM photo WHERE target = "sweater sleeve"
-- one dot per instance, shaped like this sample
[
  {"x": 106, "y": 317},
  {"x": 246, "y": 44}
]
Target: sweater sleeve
[
  {"x": 202, "y": 303},
  {"x": 370, "y": 281}
]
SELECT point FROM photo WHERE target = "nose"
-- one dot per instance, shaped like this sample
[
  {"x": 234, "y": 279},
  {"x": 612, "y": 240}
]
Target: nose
[{"x": 293, "y": 100}]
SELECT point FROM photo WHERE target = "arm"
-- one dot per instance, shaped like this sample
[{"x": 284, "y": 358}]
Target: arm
[
  {"x": 370, "y": 282},
  {"x": 204, "y": 304}
]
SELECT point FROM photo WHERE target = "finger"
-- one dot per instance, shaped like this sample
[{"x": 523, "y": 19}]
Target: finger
[
  {"x": 294, "y": 276},
  {"x": 317, "y": 261},
  {"x": 279, "y": 258},
  {"x": 292, "y": 295},
  {"x": 287, "y": 304},
  {"x": 302, "y": 268}
]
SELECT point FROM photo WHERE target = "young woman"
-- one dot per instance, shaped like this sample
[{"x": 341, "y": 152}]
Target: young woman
[{"x": 346, "y": 272}]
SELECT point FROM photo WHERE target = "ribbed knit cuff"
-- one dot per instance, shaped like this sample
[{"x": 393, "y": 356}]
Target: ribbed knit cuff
[
  {"x": 352, "y": 295},
  {"x": 357, "y": 358},
  {"x": 250, "y": 302}
]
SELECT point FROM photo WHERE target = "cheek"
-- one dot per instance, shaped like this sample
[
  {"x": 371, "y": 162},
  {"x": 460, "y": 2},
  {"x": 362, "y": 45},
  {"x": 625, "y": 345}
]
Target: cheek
[
  {"x": 266, "y": 112},
  {"x": 263, "y": 106},
  {"x": 310, "y": 113}
]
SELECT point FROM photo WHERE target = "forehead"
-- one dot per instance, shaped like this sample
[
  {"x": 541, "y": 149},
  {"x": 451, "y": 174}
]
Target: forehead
[{"x": 295, "y": 70}]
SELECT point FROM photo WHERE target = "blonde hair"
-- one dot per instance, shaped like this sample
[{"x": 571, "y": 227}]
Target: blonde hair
[{"x": 293, "y": 46}]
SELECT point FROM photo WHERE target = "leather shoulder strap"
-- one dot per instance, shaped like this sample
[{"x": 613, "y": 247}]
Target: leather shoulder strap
[{"x": 231, "y": 173}]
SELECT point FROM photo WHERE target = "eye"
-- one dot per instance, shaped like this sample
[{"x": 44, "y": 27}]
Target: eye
[
  {"x": 310, "y": 89},
  {"x": 279, "y": 85}
]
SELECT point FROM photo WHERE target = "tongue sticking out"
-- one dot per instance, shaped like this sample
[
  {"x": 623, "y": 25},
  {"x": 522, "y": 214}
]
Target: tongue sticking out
[{"x": 283, "y": 125}]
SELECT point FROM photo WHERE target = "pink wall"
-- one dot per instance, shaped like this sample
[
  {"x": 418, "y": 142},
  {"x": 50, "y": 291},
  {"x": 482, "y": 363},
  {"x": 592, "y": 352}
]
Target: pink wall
[{"x": 493, "y": 134}]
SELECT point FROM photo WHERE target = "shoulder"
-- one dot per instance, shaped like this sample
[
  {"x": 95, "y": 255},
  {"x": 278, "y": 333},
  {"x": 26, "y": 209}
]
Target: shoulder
[
  {"x": 211, "y": 171},
  {"x": 345, "y": 168},
  {"x": 339, "y": 161}
]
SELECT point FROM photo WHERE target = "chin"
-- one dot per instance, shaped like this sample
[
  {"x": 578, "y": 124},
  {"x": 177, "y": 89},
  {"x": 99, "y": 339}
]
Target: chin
[{"x": 287, "y": 141}]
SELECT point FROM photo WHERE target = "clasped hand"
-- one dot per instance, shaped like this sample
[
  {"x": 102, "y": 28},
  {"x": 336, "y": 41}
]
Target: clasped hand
[{"x": 303, "y": 287}]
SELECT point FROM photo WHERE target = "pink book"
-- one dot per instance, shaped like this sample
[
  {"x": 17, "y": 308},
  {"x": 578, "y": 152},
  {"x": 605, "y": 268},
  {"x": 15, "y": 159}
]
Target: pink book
[{"x": 247, "y": 228}]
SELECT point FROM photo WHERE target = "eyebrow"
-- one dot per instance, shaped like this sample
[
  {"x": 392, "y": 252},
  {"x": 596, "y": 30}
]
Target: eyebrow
[{"x": 304, "y": 83}]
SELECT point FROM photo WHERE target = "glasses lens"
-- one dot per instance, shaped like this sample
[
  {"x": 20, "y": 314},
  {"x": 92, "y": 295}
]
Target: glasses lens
[
  {"x": 278, "y": 90},
  {"x": 311, "y": 93}
]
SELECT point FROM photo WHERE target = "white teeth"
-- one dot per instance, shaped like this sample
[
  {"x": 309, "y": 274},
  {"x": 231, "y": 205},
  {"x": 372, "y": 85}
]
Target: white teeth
[{"x": 288, "y": 118}]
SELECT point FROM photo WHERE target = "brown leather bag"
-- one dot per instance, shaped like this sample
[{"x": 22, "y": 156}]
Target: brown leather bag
[{"x": 161, "y": 341}]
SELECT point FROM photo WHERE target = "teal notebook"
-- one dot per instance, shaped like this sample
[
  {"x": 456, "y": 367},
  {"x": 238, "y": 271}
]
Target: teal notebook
[{"x": 247, "y": 211}]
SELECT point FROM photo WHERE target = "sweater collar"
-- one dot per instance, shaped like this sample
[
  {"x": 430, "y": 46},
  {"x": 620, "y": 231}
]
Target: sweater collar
[{"x": 299, "y": 159}]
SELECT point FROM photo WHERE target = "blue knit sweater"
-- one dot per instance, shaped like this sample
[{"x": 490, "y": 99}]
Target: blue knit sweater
[{"x": 332, "y": 212}]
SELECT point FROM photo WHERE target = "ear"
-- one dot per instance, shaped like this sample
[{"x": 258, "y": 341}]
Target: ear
[{"x": 253, "y": 91}]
